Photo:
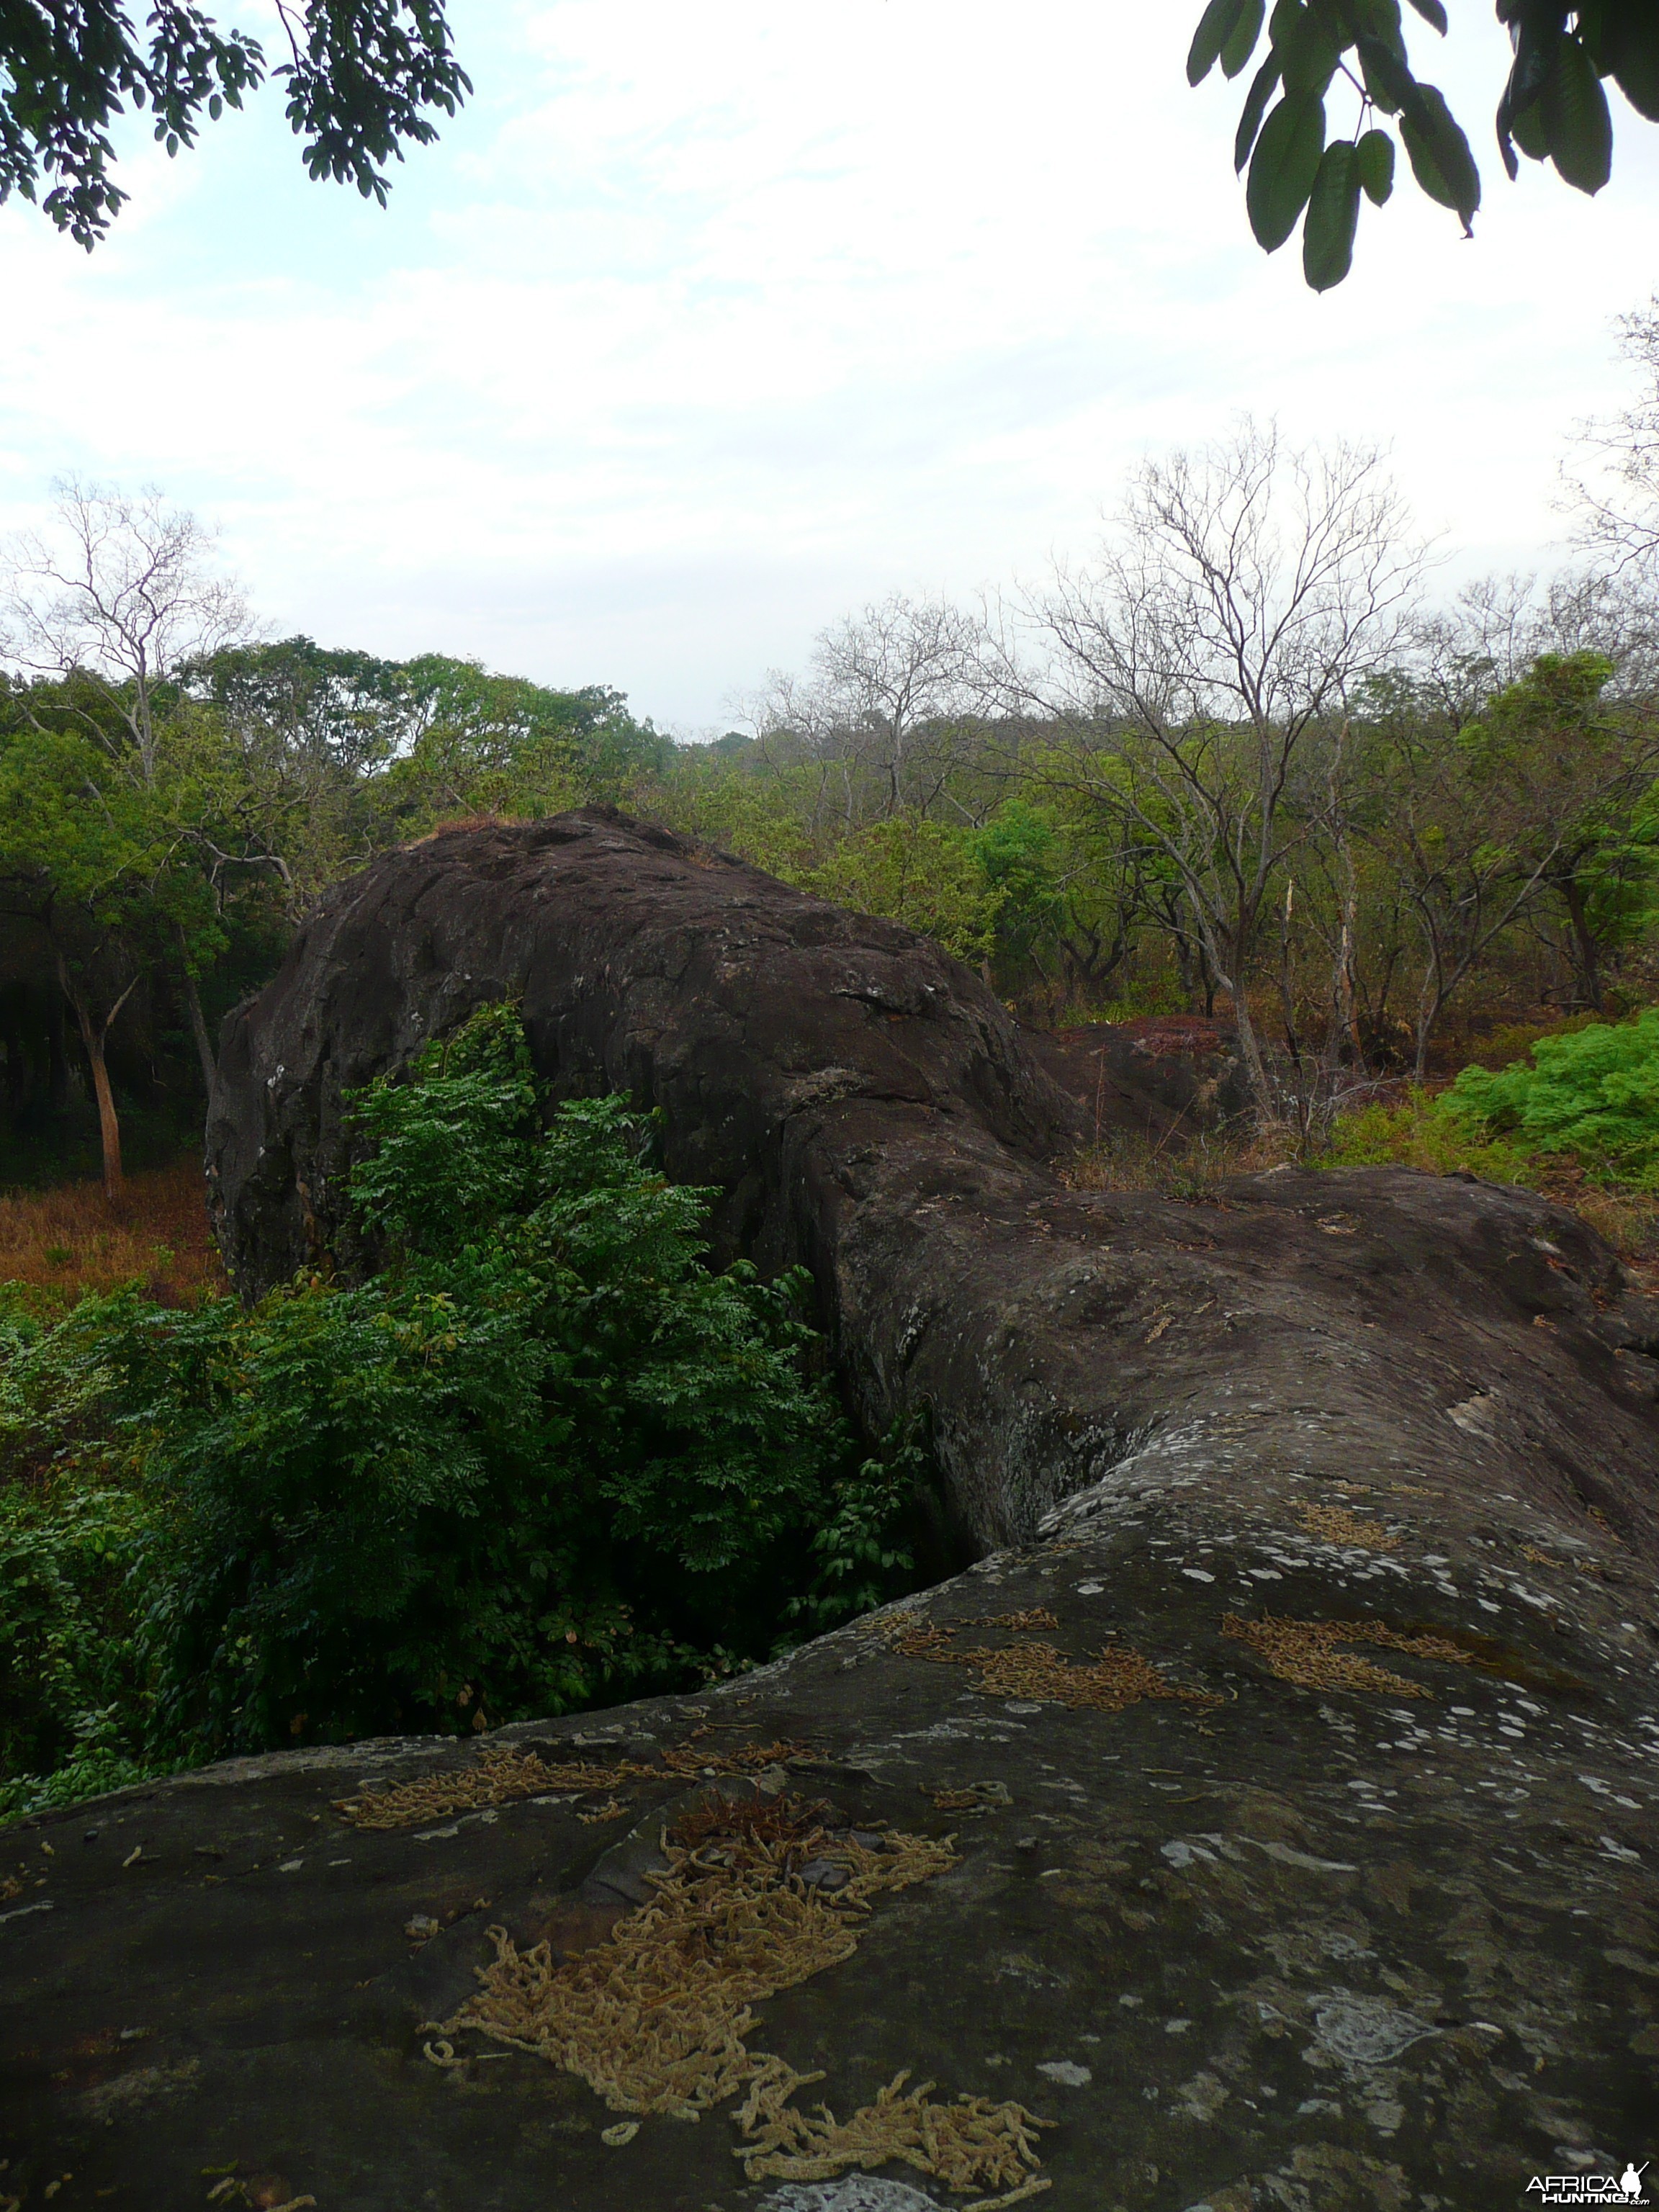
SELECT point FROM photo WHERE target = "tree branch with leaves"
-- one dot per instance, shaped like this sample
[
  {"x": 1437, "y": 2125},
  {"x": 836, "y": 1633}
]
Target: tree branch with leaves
[{"x": 1553, "y": 107}]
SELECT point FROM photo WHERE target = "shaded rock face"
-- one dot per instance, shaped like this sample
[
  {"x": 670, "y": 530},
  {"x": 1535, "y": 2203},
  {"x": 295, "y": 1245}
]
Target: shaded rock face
[
  {"x": 1170, "y": 1075},
  {"x": 1297, "y": 1731}
]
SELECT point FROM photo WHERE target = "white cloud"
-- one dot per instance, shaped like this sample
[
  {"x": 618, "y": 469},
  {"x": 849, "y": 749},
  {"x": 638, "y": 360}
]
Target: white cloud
[{"x": 703, "y": 324}]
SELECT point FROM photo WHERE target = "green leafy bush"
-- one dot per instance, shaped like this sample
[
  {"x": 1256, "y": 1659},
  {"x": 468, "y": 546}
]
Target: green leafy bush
[
  {"x": 926, "y": 874},
  {"x": 68, "y": 1535},
  {"x": 1593, "y": 1092},
  {"x": 541, "y": 1455}
]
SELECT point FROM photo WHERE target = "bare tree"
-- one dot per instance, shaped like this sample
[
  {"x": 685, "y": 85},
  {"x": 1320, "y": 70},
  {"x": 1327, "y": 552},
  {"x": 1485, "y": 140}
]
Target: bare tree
[
  {"x": 900, "y": 665},
  {"x": 1496, "y": 628},
  {"x": 881, "y": 713},
  {"x": 124, "y": 589},
  {"x": 1617, "y": 497},
  {"x": 121, "y": 592},
  {"x": 1245, "y": 592}
]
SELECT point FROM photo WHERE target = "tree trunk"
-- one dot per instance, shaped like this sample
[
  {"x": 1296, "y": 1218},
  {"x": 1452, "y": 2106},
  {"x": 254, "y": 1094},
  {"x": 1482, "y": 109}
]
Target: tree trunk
[
  {"x": 1231, "y": 980},
  {"x": 198, "y": 1027},
  {"x": 1286, "y": 981},
  {"x": 1250, "y": 1051},
  {"x": 1590, "y": 965},
  {"x": 109, "y": 1127},
  {"x": 1428, "y": 1004},
  {"x": 94, "y": 1035}
]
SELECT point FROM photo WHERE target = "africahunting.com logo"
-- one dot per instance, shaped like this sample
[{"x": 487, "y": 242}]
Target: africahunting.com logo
[{"x": 1624, "y": 2188}]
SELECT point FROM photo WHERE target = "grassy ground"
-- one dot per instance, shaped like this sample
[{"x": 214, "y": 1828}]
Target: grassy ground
[{"x": 63, "y": 1242}]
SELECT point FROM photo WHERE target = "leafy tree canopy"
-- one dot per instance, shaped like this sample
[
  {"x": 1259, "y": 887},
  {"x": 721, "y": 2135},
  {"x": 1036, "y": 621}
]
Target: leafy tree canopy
[
  {"x": 1553, "y": 107},
  {"x": 363, "y": 77}
]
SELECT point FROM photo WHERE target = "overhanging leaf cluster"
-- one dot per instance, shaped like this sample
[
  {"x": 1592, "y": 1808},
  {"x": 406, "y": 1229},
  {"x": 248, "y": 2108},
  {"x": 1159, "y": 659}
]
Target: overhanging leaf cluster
[
  {"x": 364, "y": 76},
  {"x": 1553, "y": 107}
]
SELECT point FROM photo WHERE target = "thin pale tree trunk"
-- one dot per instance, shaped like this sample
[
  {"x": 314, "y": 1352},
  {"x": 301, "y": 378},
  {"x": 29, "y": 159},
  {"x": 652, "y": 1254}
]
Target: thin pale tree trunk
[
  {"x": 109, "y": 1127},
  {"x": 95, "y": 1037},
  {"x": 198, "y": 1027}
]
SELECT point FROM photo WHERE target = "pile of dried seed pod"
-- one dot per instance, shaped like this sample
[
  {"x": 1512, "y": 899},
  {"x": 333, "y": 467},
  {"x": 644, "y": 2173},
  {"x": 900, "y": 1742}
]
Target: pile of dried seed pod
[
  {"x": 503, "y": 1775},
  {"x": 500, "y": 1775},
  {"x": 969, "y": 2144},
  {"x": 1335, "y": 1524},
  {"x": 756, "y": 1896},
  {"x": 1306, "y": 1652}
]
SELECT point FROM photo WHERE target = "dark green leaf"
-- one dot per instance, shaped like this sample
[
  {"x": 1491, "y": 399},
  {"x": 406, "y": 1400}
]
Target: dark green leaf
[
  {"x": 1255, "y": 106},
  {"x": 1374, "y": 157},
  {"x": 1528, "y": 128},
  {"x": 1284, "y": 165},
  {"x": 1625, "y": 47},
  {"x": 1388, "y": 84},
  {"x": 1242, "y": 45},
  {"x": 1375, "y": 19},
  {"x": 1576, "y": 124},
  {"x": 1440, "y": 157},
  {"x": 1637, "y": 76},
  {"x": 1215, "y": 27},
  {"x": 1333, "y": 214},
  {"x": 1538, "y": 35},
  {"x": 1306, "y": 50},
  {"x": 1432, "y": 12}
]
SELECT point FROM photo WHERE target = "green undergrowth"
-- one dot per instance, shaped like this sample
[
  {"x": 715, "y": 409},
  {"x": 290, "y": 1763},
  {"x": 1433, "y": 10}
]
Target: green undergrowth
[
  {"x": 1593, "y": 1092},
  {"x": 1578, "y": 1119},
  {"x": 543, "y": 1456},
  {"x": 1415, "y": 1133},
  {"x": 1590, "y": 1095}
]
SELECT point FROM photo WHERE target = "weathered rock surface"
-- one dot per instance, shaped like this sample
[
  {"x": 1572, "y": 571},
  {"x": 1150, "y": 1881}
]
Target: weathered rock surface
[{"x": 1358, "y": 1912}]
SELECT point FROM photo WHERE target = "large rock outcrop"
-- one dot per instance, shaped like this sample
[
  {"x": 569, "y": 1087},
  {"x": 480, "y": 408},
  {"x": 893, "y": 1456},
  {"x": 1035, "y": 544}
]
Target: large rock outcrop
[{"x": 1296, "y": 1729}]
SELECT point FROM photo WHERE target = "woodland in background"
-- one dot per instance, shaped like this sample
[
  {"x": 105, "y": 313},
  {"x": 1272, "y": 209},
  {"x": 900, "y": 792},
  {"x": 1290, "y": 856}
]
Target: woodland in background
[
  {"x": 1233, "y": 768},
  {"x": 1244, "y": 761}
]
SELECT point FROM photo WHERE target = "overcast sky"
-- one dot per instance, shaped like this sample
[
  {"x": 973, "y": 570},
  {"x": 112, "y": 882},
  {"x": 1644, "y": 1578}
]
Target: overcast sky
[{"x": 706, "y": 324}]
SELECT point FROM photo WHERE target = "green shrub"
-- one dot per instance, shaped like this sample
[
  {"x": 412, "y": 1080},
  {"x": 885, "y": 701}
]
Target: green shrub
[
  {"x": 1593, "y": 1092},
  {"x": 927, "y": 875},
  {"x": 69, "y": 1532},
  {"x": 542, "y": 1455}
]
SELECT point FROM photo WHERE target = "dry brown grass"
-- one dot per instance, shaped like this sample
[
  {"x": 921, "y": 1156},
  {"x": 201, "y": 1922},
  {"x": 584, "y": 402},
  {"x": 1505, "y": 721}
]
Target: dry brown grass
[
  {"x": 1627, "y": 1218},
  {"x": 1189, "y": 1167},
  {"x": 62, "y": 1244}
]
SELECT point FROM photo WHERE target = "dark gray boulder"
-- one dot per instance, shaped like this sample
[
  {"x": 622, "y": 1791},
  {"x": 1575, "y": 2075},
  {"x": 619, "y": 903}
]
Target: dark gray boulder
[{"x": 1298, "y": 1729}]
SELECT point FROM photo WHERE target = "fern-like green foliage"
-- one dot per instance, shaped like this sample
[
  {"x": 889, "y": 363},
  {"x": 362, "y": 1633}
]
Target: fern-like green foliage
[
  {"x": 1593, "y": 1093},
  {"x": 544, "y": 1454}
]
